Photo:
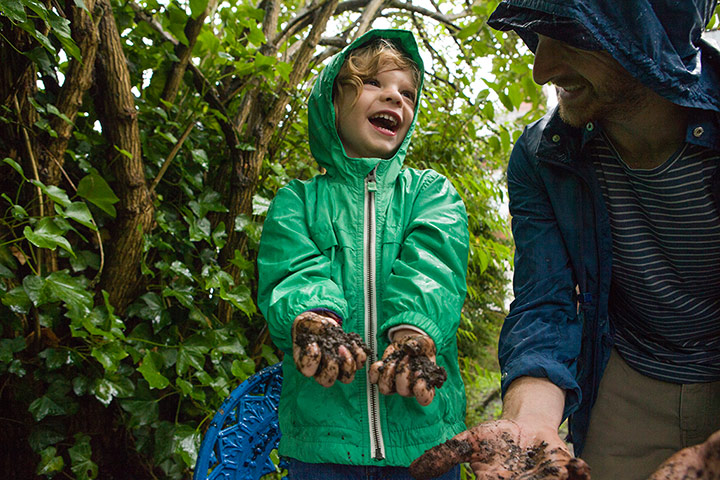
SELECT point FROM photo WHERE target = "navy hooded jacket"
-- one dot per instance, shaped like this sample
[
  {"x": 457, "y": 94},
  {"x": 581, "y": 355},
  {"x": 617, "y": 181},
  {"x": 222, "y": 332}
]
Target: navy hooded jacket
[{"x": 558, "y": 325}]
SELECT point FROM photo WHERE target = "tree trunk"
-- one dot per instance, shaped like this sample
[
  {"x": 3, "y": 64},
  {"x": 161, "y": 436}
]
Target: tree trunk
[{"x": 115, "y": 105}]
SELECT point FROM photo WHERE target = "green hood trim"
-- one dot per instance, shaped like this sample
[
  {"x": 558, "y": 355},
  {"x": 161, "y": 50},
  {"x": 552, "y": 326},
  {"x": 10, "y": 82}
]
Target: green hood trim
[{"x": 325, "y": 143}]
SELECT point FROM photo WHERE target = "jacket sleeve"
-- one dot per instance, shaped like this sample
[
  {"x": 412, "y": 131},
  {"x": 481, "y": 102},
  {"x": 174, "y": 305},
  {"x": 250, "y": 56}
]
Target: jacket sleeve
[
  {"x": 294, "y": 275},
  {"x": 542, "y": 334},
  {"x": 426, "y": 287}
]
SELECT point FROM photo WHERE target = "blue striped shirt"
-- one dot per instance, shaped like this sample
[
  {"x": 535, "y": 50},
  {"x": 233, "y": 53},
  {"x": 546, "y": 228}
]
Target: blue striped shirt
[{"x": 665, "y": 296}]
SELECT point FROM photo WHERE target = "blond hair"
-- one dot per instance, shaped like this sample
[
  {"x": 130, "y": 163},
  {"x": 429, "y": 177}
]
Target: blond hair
[{"x": 365, "y": 62}]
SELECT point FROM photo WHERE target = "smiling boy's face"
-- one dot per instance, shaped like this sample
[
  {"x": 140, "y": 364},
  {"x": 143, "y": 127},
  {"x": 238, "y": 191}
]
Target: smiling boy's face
[{"x": 375, "y": 124}]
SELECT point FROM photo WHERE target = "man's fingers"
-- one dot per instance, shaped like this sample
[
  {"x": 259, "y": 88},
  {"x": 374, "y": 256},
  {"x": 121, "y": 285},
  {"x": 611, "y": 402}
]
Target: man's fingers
[
  {"x": 440, "y": 459},
  {"x": 578, "y": 469}
]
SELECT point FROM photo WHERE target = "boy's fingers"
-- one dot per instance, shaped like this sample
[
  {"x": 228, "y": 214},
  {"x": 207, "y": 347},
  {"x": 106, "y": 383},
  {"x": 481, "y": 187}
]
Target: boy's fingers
[
  {"x": 403, "y": 378},
  {"x": 374, "y": 371},
  {"x": 307, "y": 359},
  {"x": 389, "y": 351},
  {"x": 347, "y": 365},
  {"x": 328, "y": 372},
  {"x": 423, "y": 394},
  {"x": 359, "y": 354},
  {"x": 386, "y": 382}
]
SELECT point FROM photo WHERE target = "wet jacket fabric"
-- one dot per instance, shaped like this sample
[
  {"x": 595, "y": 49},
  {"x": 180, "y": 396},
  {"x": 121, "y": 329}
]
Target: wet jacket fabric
[
  {"x": 558, "y": 324},
  {"x": 319, "y": 250}
]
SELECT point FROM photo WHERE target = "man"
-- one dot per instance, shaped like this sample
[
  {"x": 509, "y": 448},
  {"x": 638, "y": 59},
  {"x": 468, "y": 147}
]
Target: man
[{"x": 615, "y": 197}]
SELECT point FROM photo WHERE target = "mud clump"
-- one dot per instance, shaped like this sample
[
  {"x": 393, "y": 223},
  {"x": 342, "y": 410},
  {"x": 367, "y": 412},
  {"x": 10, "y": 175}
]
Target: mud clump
[{"x": 418, "y": 362}]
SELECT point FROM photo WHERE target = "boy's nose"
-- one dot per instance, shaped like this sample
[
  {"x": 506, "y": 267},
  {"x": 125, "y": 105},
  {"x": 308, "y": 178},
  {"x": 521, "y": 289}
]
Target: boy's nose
[
  {"x": 547, "y": 59},
  {"x": 392, "y": 95}
]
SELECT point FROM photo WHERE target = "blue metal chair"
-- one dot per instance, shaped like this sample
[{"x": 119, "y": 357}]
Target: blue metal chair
[{"x": 244, "y": 431}]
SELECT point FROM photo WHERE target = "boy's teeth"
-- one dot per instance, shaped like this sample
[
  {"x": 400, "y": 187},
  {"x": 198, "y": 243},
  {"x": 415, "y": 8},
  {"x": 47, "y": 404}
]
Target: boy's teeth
[{"x": 385, "y": 116}]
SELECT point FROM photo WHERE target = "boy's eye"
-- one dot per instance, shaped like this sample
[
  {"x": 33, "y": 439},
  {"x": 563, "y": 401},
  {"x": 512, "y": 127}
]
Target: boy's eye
[
  {"x": 410, "y": 95},
  {"x": 372, "y": 81}
]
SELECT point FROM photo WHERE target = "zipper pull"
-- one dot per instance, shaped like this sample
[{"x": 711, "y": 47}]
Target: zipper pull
[{"x": 371, "y": 183}]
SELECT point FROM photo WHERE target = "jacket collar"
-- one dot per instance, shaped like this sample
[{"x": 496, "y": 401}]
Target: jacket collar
[{"x": 562, "y": 143}]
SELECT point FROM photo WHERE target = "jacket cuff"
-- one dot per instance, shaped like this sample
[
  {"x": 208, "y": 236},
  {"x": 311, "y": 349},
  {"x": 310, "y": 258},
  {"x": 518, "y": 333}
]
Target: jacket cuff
[
  {"x": 417, "y": 320},
  {"x": 404, "y": 326},
  {"x": 541, "y": 367},
  {"x": 328, "y": 313}
]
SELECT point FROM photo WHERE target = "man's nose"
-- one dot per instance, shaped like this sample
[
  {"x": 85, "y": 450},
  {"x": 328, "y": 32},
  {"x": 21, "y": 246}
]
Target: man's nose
[{"x": 547, "y": 59}]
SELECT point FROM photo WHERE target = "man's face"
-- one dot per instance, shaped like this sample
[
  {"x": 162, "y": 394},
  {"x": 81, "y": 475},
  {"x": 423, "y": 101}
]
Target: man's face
[
  {"x": 376, "y": 124},
  {"x": 591, "y": 85}
]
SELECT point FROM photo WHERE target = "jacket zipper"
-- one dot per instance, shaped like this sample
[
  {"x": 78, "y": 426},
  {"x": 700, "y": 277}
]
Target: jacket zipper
[{"x": 377, "y": 447}]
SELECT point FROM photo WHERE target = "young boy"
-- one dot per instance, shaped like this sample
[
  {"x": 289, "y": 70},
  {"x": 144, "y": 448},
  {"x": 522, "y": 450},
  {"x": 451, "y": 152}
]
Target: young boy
[{"x": 367, "y": 258}]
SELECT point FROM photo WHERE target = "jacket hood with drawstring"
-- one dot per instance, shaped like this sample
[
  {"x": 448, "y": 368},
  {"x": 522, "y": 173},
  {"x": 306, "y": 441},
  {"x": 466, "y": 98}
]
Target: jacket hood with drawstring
[
  {"x": 325, "y": 144},
  {"x": 381, "y": 246},
  {"x": 659, "y": 42}
]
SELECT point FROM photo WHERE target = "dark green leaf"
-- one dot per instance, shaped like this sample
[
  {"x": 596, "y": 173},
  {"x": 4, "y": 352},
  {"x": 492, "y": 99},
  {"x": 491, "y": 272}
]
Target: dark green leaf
[
  {"x": 96, "y": 190},
  {"x": 80, "y": 458},
  {"x": 187, "y": 443},
  {"x": 189, "y": 356},
  {"x": 14, "y": 10},
  {"x": 109, "y": 355},
  {"x": 149, "y": 371},
  {"x": 44, "y": 406},
  {"x": 17, "y": 300},
  {"x": 79, "y": 212},
  {"x": 47, "y": 235},
  {"x": 69, "y": 290},
  {"x": 14, "y": 165},
  {"x": 50, "y": 463}
]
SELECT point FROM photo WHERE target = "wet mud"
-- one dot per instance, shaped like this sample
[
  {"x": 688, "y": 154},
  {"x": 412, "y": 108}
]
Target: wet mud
[{"x": 419, "y": 363}]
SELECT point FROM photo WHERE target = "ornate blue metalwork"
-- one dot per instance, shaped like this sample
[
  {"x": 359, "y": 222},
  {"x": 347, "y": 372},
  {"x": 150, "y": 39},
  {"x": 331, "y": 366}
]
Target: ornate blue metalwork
[{"x": 244, "y": 431}]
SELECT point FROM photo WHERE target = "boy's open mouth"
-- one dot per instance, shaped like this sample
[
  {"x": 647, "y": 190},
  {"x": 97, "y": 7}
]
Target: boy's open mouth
[{"x": 385, "y": 122}]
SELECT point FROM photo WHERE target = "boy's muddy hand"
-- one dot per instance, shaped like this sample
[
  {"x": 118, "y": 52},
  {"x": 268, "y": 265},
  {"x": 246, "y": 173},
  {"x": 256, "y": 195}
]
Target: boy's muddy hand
[
  {"x": 701, "y": 462},
  {"x": 499, "y": 450},
  {"x": 321, "y": 349},
  {"x": 408, "y": 368}
]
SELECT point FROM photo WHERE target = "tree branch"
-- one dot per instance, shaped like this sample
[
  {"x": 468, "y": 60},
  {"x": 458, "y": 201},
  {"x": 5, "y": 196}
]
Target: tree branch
[{"x": 183, "y": 52}]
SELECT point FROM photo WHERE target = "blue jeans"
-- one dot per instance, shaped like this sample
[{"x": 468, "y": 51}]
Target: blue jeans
[{"x": 329, "y": 471}]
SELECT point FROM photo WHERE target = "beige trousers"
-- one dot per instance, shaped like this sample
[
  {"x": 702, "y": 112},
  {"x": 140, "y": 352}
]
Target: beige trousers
[{"x": 637, "y": 422}]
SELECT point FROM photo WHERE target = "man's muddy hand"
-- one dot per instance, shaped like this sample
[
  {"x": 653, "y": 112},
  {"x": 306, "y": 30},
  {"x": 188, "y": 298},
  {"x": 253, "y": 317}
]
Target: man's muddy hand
[
  {"x": 321, "y": 349},
  {"x": 699, "y": 462},
  {"x": 408, "y": 368},
  {"x": 500, "y": 450}
]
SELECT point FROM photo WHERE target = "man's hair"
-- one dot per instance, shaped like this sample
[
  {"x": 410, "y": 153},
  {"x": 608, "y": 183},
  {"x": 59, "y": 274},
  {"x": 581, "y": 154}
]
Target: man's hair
[{"x": 365, "y": 62}]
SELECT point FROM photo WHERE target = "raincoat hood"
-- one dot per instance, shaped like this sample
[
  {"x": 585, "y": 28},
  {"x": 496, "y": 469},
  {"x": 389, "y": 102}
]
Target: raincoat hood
[
  {"x": 325, "y": 143},
  {"x": 657, "y": 41}
]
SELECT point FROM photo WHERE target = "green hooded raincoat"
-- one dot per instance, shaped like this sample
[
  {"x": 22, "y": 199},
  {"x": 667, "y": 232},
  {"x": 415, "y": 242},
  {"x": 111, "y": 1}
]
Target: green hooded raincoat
[{"x": 381, "y": 246}]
